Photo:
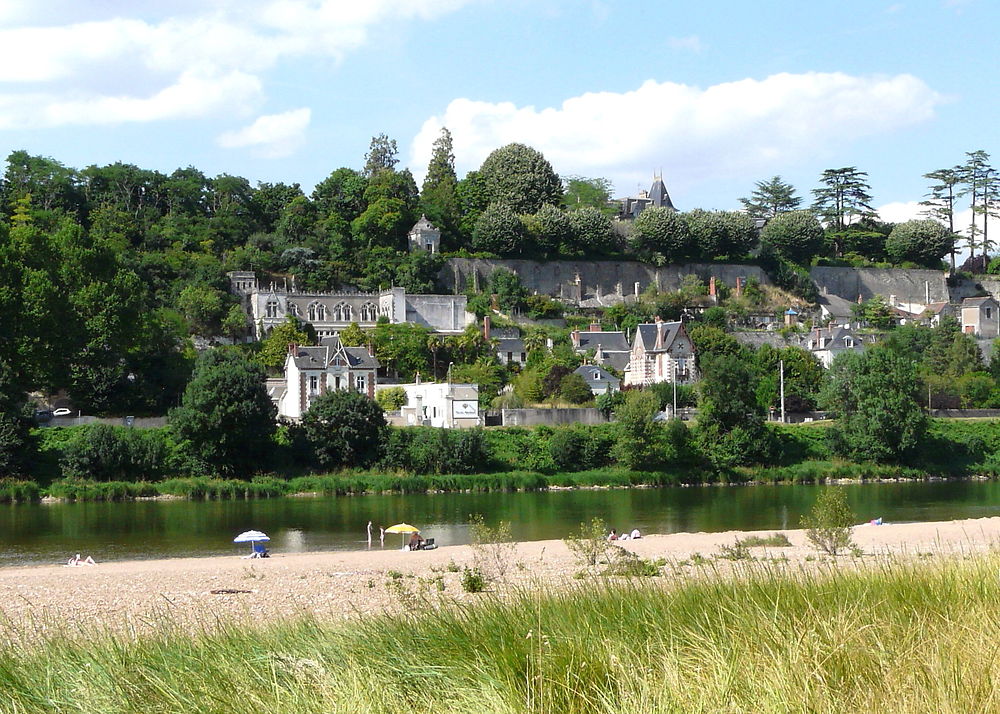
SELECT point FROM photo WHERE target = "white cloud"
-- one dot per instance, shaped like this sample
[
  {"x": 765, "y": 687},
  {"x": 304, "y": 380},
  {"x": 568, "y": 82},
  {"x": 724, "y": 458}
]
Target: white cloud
[
  {"x": 193, "y": 95},
  {"x": 691, "y": 43},
  {"x": 744, "y": 127},
  {"x": 271, "y": 136},
  {"x": 55, "y": 69}
]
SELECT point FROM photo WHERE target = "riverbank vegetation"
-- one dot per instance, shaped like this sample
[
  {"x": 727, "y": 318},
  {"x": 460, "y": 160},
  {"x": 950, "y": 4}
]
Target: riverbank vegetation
[
  {"x": 421, "y": 459},
  {"x": 883, "y": 635}
]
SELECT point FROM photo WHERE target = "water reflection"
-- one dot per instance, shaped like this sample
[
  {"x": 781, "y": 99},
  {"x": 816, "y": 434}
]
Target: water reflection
[{"x": 43, "y": 533}]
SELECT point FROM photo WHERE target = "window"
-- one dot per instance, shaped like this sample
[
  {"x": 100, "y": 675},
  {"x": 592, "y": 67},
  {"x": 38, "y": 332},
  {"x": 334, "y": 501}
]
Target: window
[
  {"x": 988, "y": 311},
  {"x": 369, "y": 313},
  {"x": 510, "y": 357},
  {"x": 317, "y": 312},
  {"x": 848, "y": 342},
  {"x": 342, "y": 313},
  {"x": 272, "y": 308},
  {"x": 524, "y": 357},
  {"x": 361, "y": 383},
  {"x": 596, "y": 376},
  {"x": 293, "y": 309},
  {"x": 313, "y": 384}
]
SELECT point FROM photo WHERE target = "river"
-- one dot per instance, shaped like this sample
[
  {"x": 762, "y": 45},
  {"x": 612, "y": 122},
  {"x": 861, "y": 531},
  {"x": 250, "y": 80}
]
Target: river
[{"x": 51, "y": 532}]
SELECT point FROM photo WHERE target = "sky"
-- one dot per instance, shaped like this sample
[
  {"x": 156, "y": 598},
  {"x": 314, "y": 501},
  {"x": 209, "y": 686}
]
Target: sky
[{"x": 715, "y": 95}]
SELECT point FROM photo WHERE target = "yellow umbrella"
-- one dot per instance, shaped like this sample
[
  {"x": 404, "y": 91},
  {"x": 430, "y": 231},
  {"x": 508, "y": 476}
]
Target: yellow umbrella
[{"x": 402, "y": 528}]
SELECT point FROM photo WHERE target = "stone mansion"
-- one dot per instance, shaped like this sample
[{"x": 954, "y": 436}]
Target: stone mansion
[{"x": 329, "y": 313}]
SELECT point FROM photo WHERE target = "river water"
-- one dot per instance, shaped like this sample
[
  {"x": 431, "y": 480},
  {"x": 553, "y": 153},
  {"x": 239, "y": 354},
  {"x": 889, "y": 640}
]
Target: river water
[{"x": 51, "y": 532}]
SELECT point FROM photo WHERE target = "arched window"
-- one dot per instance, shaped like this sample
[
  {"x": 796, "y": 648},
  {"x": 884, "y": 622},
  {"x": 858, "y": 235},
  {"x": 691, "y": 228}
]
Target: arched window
[
  {"x": 293, "y": 309},
  {"x": 342, "y": 313},
  {"x": 369, "y": 313},
  {"x": 272, "y": 308},
  {"x": 317, "y": 312}
]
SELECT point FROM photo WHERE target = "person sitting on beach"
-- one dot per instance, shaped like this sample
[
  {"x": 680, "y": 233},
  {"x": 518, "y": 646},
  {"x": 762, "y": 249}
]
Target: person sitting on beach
[
  {"x": 636, "y": 534},
  {"x": 613, "y": 535},
  {"x": 416, "y": 542}
]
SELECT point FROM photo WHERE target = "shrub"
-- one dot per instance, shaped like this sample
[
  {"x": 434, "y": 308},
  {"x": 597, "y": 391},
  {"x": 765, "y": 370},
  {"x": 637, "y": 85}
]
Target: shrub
[
  {"x": 493, "y": 548},
  {"x": 828, "y": 524},
  {"x": 473, "y": 580},
  {"x": 775, "y": 540},
  {"x": 589, "y": 544},
  {"x": 391, "y": 399}
]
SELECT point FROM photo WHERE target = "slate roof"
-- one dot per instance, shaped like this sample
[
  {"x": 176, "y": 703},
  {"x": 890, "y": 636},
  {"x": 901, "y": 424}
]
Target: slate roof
[
  {"x": 775, "y": 339},
  {"x": 423, "y": 225},
  {"x": 658, "y": 194},
  {"x": 511, "y": 344},
  {"x": 646, "y": 332},
  {"x": 587, "y": 371},
  {"x": 936, "y": 307},
  {"x": 837, "y": 306},
  {"x": 609, "y": 341},
  {"x": 321, "y": 356},
  {"x": 976, "y": 302}
]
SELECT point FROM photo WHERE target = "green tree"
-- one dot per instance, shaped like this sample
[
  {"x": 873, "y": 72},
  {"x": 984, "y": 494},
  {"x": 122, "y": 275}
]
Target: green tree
[
  {"x": 391, "y": 399},
  {"x": 341, "y": 197},
  {"x": 484, "y": 372},
  {"x": 274, "y": 347},
  {"x": 874, "y": 396},
  {"x": 575, "y": 390},
  {"x": 875, "y": 312},
  {"x": 345, "y": 429},
  {"x": 382, "y": 155},
  {"x": 828, "y": 523},
  {"x": 924, "y": 242},
  {"x": 974, "y": 176},
  {"x": 717, "y": 234},
  {"x": 731, "y": 429},
  {"x": 226, "y": 418},
  {"x": 662, "y": 235},
  {"x": 940, "y": 201},
  {"x": 770, "y": 198},
  {"x": 592, "y": 233},
  {"x": 547, "y": 231},
  {"x": 235, "y": 324},
  {"x": 521, "y": 178},
  {"x": 795, "y": 235},
  {"x": 203, "y": 307},
  {"x": 438, "y": 195},
  {"x": 637, "y": 440},
  {"x": 473, "y": 197},
  {"x": 499, "y": 230},
  {"x": 843, "y": 197},
  {"x": 581, "y": 192}
]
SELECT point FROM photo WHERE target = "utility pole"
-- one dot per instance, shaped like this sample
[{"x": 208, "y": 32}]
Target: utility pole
[
  {"x": 781, "y": 367},
  {"x": 673, "y": 380}
]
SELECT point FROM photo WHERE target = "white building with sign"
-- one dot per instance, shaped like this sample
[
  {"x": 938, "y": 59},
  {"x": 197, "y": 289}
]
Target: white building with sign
[{"x": 441, "y": 404}]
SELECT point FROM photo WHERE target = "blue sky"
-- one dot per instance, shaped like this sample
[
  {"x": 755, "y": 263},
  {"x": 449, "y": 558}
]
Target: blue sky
[{"x": 716, "y": 94}]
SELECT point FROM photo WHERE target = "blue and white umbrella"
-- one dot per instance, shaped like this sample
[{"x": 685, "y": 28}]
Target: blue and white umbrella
[{"x": 251, "y": 537}]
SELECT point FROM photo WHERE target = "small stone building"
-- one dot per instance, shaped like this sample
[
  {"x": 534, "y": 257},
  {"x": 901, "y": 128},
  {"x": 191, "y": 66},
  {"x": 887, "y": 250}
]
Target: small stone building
[{"x": 424, "y": 236}]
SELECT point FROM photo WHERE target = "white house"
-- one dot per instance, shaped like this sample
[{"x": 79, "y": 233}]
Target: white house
[
  {"x": 598, "y": 379},
  {"x": 827, "y": 342},
  {"x": 661, "y": 352},
  {"x": 311, "y": 372},
  {"x": 424, "y": 236},
  {"x": 980, "y": 317},
  {"x": 440, "y": 404},
  {"x": 329, "y": 313}
]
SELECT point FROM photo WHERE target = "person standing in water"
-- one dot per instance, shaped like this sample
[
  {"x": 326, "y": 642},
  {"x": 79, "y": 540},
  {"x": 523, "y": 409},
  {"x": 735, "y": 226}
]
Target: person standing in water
[{"x": 369, "y": 534}]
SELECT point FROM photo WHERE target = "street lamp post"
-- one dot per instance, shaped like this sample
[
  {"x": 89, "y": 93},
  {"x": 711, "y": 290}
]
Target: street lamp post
[{"x": 781, "y": 368}]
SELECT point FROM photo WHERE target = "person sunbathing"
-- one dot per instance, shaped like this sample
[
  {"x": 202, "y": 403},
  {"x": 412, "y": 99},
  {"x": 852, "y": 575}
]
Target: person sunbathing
[{"x": 78, "y": 561}]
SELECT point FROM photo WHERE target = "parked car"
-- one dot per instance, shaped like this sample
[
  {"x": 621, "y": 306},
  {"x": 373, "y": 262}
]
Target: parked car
[
  {"x": 43, "y": 415},
  {"x": 62, "y": 411}
]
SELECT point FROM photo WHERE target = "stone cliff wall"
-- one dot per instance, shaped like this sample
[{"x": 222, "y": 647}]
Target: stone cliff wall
[{"x": 597, "y": 283}]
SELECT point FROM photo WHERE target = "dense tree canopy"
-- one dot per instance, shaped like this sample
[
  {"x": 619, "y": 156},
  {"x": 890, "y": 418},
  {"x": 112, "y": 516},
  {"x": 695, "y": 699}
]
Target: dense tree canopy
[
  {"x": 345, "y": 429},
  {"x": 796, "y": 235},
  {"x": 924, "y": 242},
  {"x": 520, "y": 178}
]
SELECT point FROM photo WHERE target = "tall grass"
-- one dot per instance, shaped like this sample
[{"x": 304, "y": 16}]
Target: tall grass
[{"x": 901, "y": 637}]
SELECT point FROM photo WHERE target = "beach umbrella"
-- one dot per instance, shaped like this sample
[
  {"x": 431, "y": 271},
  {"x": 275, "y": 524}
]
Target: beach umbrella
[
  {"x": 402, "y": 528},
  {"x": 251, "y": 537}
]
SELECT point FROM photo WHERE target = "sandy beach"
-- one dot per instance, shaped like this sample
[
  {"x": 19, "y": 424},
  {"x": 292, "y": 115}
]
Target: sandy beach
[{"x": 140, "y": 595}]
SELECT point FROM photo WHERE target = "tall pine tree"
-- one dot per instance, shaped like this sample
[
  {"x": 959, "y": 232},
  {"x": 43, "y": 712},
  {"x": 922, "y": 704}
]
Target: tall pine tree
[{"x": 438, "y": 200}]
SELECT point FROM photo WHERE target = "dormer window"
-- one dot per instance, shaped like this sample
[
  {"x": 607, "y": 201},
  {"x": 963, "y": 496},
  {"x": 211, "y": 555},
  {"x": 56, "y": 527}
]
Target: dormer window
[
  {"x": 848, "y": 342},
  {"x": 272, "y": 308},
  {"x": 988, "y": 313}
]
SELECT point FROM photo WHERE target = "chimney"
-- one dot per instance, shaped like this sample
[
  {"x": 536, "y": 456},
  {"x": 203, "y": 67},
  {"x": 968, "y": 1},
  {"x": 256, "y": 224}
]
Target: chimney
[
  {"x": 575, "y": 337},
  {"x": 595, "y": 327},
  {"x": 417, "y": 377},
  {"x": 371, "y": 349},
  {"x": 739, "y": 287},
  {"x": 711, "y": 286},
  {"x": 293, "y": 349},
  {"x": 486, "y": 327},
  {"x": 892, "y": 301},
  {"x": 659, "y": 333}
]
